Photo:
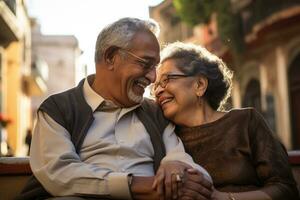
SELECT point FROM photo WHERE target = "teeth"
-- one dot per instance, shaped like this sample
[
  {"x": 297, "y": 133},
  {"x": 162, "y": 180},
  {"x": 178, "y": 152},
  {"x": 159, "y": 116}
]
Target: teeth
[
  {"x": 166, "y": 101},
  {"x": 142, "y": 82},
  {"x": 141, "y": 85}
]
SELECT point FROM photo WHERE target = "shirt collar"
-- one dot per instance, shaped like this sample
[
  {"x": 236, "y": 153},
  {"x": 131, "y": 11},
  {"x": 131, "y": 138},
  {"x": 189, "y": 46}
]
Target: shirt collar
[{"x": 94, "y": 99}]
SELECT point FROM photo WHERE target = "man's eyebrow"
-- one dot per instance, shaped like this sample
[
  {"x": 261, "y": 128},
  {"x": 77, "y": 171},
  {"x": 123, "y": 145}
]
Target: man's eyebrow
[{"x": 148, "y": 57}]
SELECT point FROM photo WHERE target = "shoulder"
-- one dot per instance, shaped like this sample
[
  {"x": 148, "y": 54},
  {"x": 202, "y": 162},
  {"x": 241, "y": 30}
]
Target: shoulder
[
  {"x": 248, "y": 117},
  {"x": 60, "y": 97},
  {"x": 253, "y": 115},
  {"x": 59, "y": 106},
  {"x": 66, "y": 97},
  {"x": 154, "y": 110},
  {"x": 243, "y": 113},
  {"x": 150, "y": 106},
  {"x": 60, "y": 100},
  {"x": 150, "y": 102},
  {"x": 256, "y": 123}
]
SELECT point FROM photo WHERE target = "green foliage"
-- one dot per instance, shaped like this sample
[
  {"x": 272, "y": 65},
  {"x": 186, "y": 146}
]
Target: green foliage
[
  {"x": 230, "y": 27},
  {"x": 194, "y": 11},
  {"x": 199, "y": 11}
]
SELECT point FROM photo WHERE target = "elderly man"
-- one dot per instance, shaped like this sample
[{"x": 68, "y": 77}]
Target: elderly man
[{"x": 102, "y": 139}]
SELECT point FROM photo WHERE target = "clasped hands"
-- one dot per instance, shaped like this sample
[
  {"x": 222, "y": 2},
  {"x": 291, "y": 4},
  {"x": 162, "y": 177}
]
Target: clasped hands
[{"x": 177, "y": 180}]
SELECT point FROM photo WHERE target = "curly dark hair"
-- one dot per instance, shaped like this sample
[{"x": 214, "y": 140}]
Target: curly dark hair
[{"x": 195, "y": 60}]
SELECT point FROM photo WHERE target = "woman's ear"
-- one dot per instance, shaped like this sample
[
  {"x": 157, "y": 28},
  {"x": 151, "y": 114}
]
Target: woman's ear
[
  {"x": 109, "y": 55},
  {"x": 201, "y": 85}
]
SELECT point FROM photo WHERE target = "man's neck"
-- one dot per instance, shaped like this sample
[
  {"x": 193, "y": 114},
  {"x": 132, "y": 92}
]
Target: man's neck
[{"x": 99, "y": 86}]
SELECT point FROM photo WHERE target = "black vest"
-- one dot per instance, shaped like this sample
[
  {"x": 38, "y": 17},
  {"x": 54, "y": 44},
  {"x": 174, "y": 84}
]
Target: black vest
[{"x": 70, "y": 110}]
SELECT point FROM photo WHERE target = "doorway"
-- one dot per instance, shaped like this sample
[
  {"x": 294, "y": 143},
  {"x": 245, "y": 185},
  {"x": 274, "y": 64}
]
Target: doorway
[
  {"x": 252, "y": 97},
  {"x": 294, "y": 91}
]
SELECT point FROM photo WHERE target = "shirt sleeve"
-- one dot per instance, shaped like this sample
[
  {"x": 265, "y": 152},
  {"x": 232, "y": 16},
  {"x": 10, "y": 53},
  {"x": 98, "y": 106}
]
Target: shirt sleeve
[
  {"x": 175, "y": 151},
  {"x": 59, "y": 168},
  {"x": 271, "y": 160}
]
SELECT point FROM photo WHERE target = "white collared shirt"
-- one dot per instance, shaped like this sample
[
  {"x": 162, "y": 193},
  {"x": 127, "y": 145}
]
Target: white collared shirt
[{"x": 116, "y": 145}]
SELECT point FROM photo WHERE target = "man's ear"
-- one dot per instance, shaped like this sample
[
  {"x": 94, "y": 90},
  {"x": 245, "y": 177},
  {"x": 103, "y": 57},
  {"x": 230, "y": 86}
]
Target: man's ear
[
  {"x": 109, "y": 55},
  {"x": 201, "y": 85}
]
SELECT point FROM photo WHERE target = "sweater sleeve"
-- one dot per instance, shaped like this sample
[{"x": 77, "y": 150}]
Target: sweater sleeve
[
  {"x": 59, "y": 168},
  {"x": 175, "y": 151},
  {"x": 271, "y": 160}
]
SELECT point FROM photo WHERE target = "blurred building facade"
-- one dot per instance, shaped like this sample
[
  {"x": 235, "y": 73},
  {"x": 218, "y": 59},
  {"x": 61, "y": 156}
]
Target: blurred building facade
[
  {"x": 32, "y": 66},
  {"x": 267, "y": 73},
  {"x": 57, "y": 57},
  {"x": 17, "y": 80}
]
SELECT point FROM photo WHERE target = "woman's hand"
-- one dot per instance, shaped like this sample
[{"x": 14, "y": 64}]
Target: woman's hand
[
  {"x": 195, "y": 186},
  {"x": 217, "y": 195},
  {"x": 251, "y": 195},
  {"x": 167, "y": 177}
]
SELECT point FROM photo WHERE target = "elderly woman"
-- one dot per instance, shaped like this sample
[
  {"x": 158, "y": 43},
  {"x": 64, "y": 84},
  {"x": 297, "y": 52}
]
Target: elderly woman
[{"x": 237, "y": 147}]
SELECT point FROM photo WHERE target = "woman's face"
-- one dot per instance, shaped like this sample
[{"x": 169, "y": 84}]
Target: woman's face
[{"x": 174, "y": 92}]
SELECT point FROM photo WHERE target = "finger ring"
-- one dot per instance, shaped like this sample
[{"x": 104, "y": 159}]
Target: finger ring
[{"x": 178, "y": 178}]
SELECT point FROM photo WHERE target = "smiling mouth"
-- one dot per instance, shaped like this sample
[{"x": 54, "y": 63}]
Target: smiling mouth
[
  {"x": 139, "y": 87},
  {"x": 165, "y": 101},
  {"x": 142, "y": 83}
]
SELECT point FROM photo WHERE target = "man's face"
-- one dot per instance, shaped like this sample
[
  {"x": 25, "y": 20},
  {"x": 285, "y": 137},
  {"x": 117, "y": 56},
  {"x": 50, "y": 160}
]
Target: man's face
[{"x": 135, "y": 71}]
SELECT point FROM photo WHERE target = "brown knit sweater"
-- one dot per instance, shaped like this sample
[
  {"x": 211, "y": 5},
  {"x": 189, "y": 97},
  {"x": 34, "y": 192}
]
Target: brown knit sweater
[{"x": 241, "y": 154}]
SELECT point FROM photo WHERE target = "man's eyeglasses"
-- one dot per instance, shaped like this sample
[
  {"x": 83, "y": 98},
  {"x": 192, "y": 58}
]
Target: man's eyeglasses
[
  {"x": 144, "y": 63},
  {"x": 165, "y": 78}
]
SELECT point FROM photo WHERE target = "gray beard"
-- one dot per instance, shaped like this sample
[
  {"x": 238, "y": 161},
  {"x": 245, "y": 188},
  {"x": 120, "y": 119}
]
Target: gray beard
[{"x": 133, "y": 97}]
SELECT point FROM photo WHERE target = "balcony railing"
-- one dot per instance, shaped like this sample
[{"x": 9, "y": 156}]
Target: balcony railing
[
  {"x": 253, "y": 13},
  {"x": 9, "y": 29},
  {"x": 11, "y": 5}
]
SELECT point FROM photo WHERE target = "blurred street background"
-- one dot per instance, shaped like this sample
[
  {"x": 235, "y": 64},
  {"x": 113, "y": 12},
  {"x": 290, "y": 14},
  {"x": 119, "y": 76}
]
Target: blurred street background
[{"x": 47, "y": 46}]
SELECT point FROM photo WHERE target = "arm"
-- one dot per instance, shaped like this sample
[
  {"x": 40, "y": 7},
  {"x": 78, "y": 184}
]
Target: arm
[
  {"x": 194, "y": 183},
  {"x": 175, "y": 151},
  {"x": 271, "y": 160},
  {"x": 271, "y": 163},
  {"x": 253, "y": 195},
  {"x": 59, "y": 168},
  {"x": 177, "y": 161},
  {"x": 141, "y": 188}
]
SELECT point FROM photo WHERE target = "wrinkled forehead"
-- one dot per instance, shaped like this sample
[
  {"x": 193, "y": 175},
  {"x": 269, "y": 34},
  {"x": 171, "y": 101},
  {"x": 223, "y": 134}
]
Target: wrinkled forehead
[
  {"x": 167, "y": 67},
  {"x": 146, "y": 45}
]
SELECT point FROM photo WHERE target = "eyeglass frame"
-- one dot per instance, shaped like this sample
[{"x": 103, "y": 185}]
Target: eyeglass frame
[
  {"x": 163, "y": 83},
  {"x": 144, "y": 63}
]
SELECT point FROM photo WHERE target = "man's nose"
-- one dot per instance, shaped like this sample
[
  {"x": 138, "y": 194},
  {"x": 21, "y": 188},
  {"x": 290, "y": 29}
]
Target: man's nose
[
  {"x": 151, "y": 75},
  {"x": 157, "y": 92}
]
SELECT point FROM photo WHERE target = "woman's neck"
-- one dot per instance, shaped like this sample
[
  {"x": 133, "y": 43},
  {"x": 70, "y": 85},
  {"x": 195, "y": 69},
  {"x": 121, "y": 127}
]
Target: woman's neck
[{"x": 201, "y": 114}]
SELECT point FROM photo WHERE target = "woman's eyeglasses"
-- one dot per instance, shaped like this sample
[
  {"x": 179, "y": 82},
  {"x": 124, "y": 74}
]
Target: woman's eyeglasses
[{"x": 165, "y": 78}]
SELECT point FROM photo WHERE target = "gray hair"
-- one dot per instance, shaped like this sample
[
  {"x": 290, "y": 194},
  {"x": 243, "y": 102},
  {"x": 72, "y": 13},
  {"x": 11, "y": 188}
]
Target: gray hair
[
  {"x": 195, "y": 60},
  {"x": 121, "y": 32}
]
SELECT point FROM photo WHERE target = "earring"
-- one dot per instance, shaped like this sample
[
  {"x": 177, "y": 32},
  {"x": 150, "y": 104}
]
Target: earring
[
  {"x": 110, "y": 61},
  {"x": 198, "y": 94}
]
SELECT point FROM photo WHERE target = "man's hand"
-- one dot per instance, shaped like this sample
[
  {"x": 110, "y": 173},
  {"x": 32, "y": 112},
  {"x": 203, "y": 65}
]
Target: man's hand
[
  {"x": 141, "y": 188},
  {"x": 195, "y": 186},
  {"x": 166, "y": 179}
]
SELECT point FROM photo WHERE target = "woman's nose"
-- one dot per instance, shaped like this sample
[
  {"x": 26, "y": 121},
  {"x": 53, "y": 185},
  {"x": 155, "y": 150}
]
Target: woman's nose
[{"x": 158, "y": 91}]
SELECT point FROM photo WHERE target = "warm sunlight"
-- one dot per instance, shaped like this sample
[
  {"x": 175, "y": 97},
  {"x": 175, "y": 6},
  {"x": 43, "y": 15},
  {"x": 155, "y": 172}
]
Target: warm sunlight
[{"x": 85, "y": 18}]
